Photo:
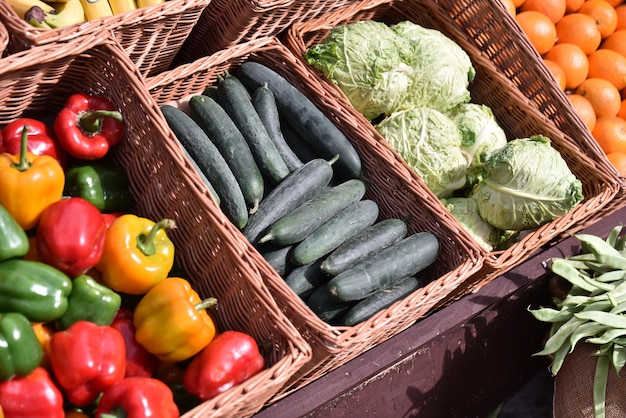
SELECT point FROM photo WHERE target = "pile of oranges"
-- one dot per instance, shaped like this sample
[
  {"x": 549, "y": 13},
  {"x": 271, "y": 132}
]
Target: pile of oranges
[{"x": 583, "y": 44}]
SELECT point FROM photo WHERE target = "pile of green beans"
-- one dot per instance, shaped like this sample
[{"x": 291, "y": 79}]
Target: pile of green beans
[{"x": 593, "y": 310}]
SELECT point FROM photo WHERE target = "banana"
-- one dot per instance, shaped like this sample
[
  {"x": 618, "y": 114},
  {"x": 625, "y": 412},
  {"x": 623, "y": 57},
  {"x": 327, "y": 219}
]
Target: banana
[
  {"x": 146, "y": 3},
  {"x": 95, "y": 9},
  {"x": 68, "y": 13},
  {"x": 20, "y": 7},
  {"x": 121, "y": 6}
]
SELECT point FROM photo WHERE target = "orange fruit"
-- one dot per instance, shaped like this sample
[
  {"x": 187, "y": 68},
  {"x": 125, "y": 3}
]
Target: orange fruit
[
  {"x": 572, "y": 60},
  {"x": 579, "y": 29},
  {"x": 609, "y": 65},
  {"x": 621, "y": 16},
  {"x": 539, "y": 29},
  {"x": 615, "y": 3},
  {"x": 572, "y": 6},
  {"x": 554, "y": 9},
  {"x": 602, "y": 94},
  {"x": 602, "y": 13},
  {"x": 610, "y": 133},
  {"x": 518, "y": 3},
  {"x": 618, "y": 159},
  {"x": 616, "y": 42},
  {"x": 557, "y": 72},
  {"x": 509, "y": 5},
  {"x": 622, "y": 110},
  {"x": 584, "y": 110}
]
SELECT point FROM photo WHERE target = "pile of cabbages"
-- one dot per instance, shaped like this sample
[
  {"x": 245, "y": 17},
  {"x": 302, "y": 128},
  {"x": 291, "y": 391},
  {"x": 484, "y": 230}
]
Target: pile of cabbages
[{"x": 412, "y": 83}]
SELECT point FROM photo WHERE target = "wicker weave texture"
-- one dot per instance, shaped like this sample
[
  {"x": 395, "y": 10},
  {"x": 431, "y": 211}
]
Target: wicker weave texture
[
  {"x": 151, "y": 36},
  {"x": 36, "y": 83},
  {"x": 397, "y": 191},
  {"x": 228, "y": 22},
  {"x": 515, "y": 112}
]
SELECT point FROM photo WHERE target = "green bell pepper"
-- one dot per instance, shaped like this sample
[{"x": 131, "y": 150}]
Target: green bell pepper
[
  {"x": 103, "y": 184},
  {"x": 34, "y": 289},
  {"x": 20, "y": 350},
  {"x": 13, "y": 240},
  {"x": 90, "y": 301}
]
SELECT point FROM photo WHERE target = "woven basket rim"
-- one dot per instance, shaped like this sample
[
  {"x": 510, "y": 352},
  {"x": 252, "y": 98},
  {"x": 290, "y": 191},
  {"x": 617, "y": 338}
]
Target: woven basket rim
[{"x": 37, "y": 36}]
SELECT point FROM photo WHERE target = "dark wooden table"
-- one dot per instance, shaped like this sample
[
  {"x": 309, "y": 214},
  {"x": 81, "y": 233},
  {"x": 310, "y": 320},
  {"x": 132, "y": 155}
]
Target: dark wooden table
[{"x": 461, "y": 361}]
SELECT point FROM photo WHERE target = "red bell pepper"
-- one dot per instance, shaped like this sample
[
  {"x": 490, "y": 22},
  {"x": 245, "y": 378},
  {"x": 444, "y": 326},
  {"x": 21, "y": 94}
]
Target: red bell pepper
[
  {"x": 230, "y": 358},
  {"x": 71, "y": 235},
  {"x": 88, "y": 126},
  {"x": 40, "y": 139},
  {"x": 109, "y": 218},
  {"x": 137, "y": 397},
  {"x": 32, "y": 396},
  {"x": 139, "y": 361},
  {"x": 87, "y": 358}
]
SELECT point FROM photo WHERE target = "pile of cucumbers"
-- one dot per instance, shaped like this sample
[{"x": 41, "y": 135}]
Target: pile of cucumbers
[{"x": 288, "y": 178}]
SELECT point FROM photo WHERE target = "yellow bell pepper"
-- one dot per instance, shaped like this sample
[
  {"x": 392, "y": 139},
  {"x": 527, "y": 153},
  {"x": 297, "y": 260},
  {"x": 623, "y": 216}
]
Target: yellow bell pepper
[
  {"x": 171, "y": 321},
  {"x": 137, "y": 254},
  {"x": 29, "y": 183}
]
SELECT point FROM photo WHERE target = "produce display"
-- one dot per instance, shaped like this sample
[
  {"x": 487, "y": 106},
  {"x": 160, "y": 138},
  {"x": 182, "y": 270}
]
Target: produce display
[
  {"x": 306, "y": 213},
  {"x": 582, "y": 44},
  {"x": 95, "y": 318},
  {"x": 495, "y": 188},
  {"x": 51, "y": 15},
  {"x": 590, "y": 310}
]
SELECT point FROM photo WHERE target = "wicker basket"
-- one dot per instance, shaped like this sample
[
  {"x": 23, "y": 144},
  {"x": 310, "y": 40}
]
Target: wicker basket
[
  {"x": 392, "y": 186},
  {"x": 151, "y": 36},
  {"x": 4, "y": 40},
  {"x": 36, "y": 84},
  {"x": 229, "y": 22},
  {"x": 515, "y": 112}
]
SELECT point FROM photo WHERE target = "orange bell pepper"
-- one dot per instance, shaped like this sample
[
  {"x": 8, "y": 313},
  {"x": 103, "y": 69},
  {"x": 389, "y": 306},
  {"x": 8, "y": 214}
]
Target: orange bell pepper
[
  {"x": 44, "y": 332},
  {"x": 171, "y": 320},
  {"x": 29, "y": 183},
  {"x": 137, "y": 254}
]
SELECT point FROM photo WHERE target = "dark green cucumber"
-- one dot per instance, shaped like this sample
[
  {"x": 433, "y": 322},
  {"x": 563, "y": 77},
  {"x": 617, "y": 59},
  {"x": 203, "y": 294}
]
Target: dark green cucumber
[
  {"x": 341, "y": 227},
  {"x": 210, "y": 162},
  {"x": 405, "y": 258},
  {"x": 211, "y": 91},
  {"x": 314, "y": 126},
  {"x": 384, "y": 298},
  {"x": 303, "y": 280},
  {"x": 236, "y": 101},
  {"x": 294, "y": 190},
  {"x": 295, "y": 141},
  {"x": 278, "y": 258},
  {"x": 312, "y": 214},
  {"x": 265, "y": 105},
  {"x": 204, "y": 178},
  {"x": 223, "y": 132},
  {"x": 364, "y": 245},
  {"x": 325, "y": 306}
]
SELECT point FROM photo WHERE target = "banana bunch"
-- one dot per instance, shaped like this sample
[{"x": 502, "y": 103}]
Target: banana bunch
[
  {"x": 593, "y": 310},
  {"x": 61, "y": 13}
]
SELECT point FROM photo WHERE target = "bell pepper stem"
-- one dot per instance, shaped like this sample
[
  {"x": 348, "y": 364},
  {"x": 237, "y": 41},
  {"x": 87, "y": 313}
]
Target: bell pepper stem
[
  {"x": 92, "y": 121},
  {"x": 23, "y": 163},
  {"x": 206, "y": 304},
  {"x": 117, "y": 412},
  {"x": 145, "y": 243}
]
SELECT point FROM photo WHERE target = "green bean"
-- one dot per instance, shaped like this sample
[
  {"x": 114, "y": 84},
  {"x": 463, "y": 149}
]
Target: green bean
[
  {"x": 552, "y": 315},
  {"x": 605, "y": 287},
  {"x": 606, "y": 318},
  {"x": 613, "y": 236},
  {"x": 604, "y": 252},
  {"x": 599, "y": 386},
  {"x": 612, "y": 276},
  {"x": 561, "y": 336},
  {"x": 607, "y": 336},
  {"x": 618, "y": 357},
  {"x": 559, "y": 357},
  {"x": 585, "y": 330},
  {"x": 618, "y": 309},
  {"x": 569, "y": 273}
]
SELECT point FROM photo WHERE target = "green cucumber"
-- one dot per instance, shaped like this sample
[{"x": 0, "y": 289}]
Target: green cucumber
[
  {"x": 295, "y": 141},
  {"x": 382, "y": 299},
  {"x": 364, "y": 245},
  {"x": 404, "y": 258},
  {"x": 210, "y": 162},
  {"x": 325, "y": 306},
  {"x": 312, "y": 214},
  {"x": 278, "y": 259},
  {"x": 303, "y": 280},
  {"x": 223, "y": 132},
  {"x": 205, "y": 180},
  {"x": 346, "y": 224},
  {"x": 314, "y": 126},
  {"x": 236, "y": 101},
  {"x": 294, "y": 190},
  {"x": 265, "y": 105}
]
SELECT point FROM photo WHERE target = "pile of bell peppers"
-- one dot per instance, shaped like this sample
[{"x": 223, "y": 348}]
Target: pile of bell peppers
[{"x": 94, "y": 319}]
